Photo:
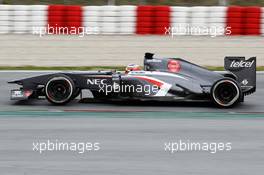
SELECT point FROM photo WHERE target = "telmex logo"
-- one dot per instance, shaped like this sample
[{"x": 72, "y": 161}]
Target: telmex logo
[
  {"x": 96, "y": 81},
  {"x": 241, "y": 63}
]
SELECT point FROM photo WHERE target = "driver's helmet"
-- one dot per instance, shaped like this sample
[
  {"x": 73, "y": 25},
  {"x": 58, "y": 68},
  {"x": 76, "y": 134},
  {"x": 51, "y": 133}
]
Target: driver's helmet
[{"x": 132, "y": 67}]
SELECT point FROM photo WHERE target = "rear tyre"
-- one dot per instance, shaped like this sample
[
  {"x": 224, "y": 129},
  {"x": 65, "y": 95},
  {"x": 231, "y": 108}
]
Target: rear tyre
[
  {"x": 225, "y": 93},
  {"x": 59, "y": 89}
]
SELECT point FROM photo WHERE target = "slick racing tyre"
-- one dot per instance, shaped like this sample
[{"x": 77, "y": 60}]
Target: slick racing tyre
[
  {"x": 60, "y": 89},
  {"x": 76, "y": 93},
  {"x": 225, "y": 93}
]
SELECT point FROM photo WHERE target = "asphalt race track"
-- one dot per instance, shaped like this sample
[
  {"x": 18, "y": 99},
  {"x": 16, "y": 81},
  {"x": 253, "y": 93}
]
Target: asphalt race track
[{"x": 131, "y": 136}]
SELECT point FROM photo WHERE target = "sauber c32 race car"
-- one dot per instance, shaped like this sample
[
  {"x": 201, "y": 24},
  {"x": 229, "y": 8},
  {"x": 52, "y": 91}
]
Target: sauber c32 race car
[{"x": 162, "y": 79}]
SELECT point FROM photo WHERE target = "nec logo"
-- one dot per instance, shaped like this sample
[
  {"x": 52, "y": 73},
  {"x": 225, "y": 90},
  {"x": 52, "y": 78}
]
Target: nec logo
[
  {"x": 241, "y": 63},
  {"x": 96, "y": 81}
]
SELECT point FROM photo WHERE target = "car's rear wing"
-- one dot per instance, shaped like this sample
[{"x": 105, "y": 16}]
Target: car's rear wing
[{"x": 245, "y": 70}]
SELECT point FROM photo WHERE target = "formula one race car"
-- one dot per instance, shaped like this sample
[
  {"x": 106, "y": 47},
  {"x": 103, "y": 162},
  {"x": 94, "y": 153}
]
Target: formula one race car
[{"x": 163, "y": 79}]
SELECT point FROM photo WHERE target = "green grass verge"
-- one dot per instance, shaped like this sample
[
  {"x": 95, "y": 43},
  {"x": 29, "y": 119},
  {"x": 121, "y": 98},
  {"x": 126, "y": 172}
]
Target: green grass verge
[
  {"x": 127, "y": 114},
  {"x": 82, "y": 68},
  {"x": 85, "y": 68}
]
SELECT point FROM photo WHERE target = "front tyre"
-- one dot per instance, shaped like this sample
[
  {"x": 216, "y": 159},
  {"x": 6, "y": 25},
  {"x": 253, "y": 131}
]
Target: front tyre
[
  {"x": 59, "y": 89},
  {"x": 225, "y": 93}
]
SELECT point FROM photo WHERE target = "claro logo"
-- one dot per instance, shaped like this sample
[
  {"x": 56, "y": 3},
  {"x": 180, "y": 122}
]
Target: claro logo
[
  {"x": 241, "y": 63},
  {"x": 96, "y": 81}
]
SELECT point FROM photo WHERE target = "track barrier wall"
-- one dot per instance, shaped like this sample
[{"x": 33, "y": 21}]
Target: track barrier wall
[{"x": 129, "y": 20}]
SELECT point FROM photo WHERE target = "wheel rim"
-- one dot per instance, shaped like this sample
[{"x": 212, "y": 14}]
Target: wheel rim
[
  {"x": 225, "y": 92},
  {"x": 59, "y": 90}
]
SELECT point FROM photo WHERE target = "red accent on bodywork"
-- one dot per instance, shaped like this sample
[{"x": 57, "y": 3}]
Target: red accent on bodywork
[
  {"x": 157, "y": 83},
  {"x": 28, "y": 93}
]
